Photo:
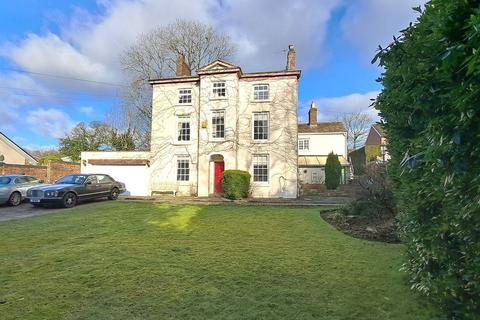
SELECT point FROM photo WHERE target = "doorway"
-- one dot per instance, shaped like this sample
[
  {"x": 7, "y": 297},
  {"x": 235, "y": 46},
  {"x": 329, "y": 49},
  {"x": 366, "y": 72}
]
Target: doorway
[{"x": 219, "y": 167}]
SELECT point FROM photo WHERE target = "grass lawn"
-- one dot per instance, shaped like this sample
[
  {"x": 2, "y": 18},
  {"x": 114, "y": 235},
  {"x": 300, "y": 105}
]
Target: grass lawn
[{"x": 123, "y": 260}]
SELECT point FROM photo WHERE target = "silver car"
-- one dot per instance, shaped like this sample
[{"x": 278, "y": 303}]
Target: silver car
[{"x": 13, "y": 189}]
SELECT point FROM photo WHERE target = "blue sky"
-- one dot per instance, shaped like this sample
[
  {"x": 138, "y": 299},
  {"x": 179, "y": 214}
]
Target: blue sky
[{"x": 44, "y": 44}]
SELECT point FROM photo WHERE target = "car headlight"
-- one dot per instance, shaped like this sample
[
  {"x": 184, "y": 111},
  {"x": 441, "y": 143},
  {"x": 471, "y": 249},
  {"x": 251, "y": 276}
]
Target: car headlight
[{"x": 52, "y": 194}]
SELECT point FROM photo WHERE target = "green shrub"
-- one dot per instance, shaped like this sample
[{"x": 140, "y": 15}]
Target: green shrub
[
  {"x": 235, "y": 184},
  {"x": 430, "y": 108},
  {"x": 333, "y": 172}
]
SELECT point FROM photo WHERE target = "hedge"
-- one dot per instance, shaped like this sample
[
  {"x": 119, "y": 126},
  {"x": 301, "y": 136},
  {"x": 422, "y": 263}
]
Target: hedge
[
  {"x": 430, "y": 108},
  {"x": 333, "y": 172},
  {"x": 235, "y": 184}
]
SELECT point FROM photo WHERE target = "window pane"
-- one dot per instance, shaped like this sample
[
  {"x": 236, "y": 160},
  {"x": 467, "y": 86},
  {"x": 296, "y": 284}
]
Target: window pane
[
  {"x": 260, "y": 126},
  {"x": 185, "y": 96},
  {"x": 218, "y": 125},
  {"x": 260, "y": 92},
  {"x": 183, "y": 129},
  {"x": 183, "y": 170},
  {"x": 219, "y": 89},
  {"x": 260, "y": 168}
]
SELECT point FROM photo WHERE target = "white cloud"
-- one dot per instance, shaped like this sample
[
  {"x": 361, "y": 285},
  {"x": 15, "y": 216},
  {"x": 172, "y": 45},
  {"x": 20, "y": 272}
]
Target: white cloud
[
  {"x": 370, "y": 23},
  {"x": 86, "y": 110},
  {"x": 330, "y": 108},
  {"x": 52, "y": 123}
]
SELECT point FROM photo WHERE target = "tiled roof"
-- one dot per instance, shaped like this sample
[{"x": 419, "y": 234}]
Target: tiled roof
[
  {"x": 321, "y": 127},
  {"x": 318, "y": 161},
  {"x": 379, "y": 128}
]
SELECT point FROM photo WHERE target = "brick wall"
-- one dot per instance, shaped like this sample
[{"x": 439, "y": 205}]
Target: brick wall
[{"x": 49, "y": 173}]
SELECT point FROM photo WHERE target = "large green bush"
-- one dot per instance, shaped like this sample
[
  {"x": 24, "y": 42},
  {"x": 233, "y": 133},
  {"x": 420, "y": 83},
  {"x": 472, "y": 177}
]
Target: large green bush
[
  {"x": 430, "y": 105},
  {"x": 235, "y": 184},
  {"x": 333, "y": 172}
]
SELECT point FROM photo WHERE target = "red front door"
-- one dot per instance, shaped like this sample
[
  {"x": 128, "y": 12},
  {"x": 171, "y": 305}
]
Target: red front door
[{"x": 219, "y": 166}]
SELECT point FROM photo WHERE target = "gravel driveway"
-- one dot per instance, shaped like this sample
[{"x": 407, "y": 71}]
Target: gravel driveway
[{"x": 26, "y": 210}]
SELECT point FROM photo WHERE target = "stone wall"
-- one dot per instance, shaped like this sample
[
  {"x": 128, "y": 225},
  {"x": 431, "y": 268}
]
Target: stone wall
[{"x": 49, "y": 173}]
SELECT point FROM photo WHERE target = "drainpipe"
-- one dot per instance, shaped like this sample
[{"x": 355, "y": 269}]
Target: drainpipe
[{"x": 198, "y": 133}]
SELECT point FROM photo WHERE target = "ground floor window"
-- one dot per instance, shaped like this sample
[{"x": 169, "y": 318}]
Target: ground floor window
[
  {"x": 260, "y": 168},
  {"x": 218, "y": 124},
  {"x": 183, "y": 169}
]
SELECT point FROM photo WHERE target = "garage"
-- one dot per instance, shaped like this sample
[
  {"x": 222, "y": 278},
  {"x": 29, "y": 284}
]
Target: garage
[{"x": 131, "y": 168}]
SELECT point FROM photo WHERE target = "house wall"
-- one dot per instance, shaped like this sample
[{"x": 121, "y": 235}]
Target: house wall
[
  {"x": 238, "y": 147},
  {"x": 135, "y": 177},
  {"x": 11, "y": 155},
  {"x": 324, "y": 143},
  {"x": 49, "y": 173}
]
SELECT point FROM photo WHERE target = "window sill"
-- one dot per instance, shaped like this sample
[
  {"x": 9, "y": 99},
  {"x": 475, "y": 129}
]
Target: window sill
[
  {"x": 261, "y": 184},
  {"x": 184, "y": 104},
  {"x": 217, "y": 140},
  {"x": 260, "y": 101},
  {"x": 181, "y": 143},
  {"x": 218, "y": 98},
  {"x": 260, "y": 141}
]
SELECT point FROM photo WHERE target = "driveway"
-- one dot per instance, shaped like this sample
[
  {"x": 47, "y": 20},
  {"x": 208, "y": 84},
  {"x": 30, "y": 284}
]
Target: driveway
[{"x": 26, "y": 210}]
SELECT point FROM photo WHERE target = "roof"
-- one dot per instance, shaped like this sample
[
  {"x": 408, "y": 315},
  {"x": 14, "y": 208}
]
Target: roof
[
  {"x": 220, "y": 66},
  {"x": 321, "y": 127},
  {"x": 19, "y": 149},
  {"x": 375, "y": 135},
  {"x": 318, "y": 161}
]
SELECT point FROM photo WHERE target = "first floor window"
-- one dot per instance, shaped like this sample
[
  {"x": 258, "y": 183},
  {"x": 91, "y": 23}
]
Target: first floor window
[
  {"x": 219, "y": 90},
  {"x": 303, "y": 144},
  {"x": 218, "y": 124},
  {"x": 260, "y": 126},
  {"x": 183, "y": 129},
  {"x": 260, "y": 92},
  {"x": 183, "y": 169},
  {"x": 260, "y": 168},
  {"x": 185, "y": 96}
]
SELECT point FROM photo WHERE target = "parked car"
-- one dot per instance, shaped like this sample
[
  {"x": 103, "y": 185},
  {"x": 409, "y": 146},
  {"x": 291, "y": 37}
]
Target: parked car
[
  {"x": 73, "y": 188},
  {"x": 13, "y": 188}
]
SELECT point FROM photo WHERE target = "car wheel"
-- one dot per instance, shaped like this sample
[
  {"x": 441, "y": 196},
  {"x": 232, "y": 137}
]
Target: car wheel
[
  {"x": 15, "y": 199},
  {"x": 69, "y": 200},
  {"x": 114, "y": 194}
]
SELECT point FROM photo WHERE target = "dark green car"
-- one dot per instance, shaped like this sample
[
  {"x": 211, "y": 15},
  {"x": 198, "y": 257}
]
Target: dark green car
[{"x": 71, "y": 189}]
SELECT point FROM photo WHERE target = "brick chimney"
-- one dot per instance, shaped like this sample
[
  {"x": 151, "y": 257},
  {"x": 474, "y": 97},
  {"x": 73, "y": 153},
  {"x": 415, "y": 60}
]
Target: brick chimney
[
  {"x": 312, "y": 115},
  {"x": 183, "y": 70},
  {"x": 291, "y": 58}
]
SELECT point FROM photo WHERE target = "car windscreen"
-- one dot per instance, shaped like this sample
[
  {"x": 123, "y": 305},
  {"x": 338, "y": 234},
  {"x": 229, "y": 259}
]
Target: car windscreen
[
  {"x": 72, "y": 179},
  {"x": 5, "y": 180}
]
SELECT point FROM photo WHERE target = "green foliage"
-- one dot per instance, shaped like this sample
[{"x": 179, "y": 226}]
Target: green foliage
[
  {"x": 333, "y": 172},
  {"x": 96, "y": 136},
  {"x": 51, "y": 157},
  {"x": 235, "y": 184},
  {"x": 371, "y": 153},
  {"x": 430, "y": 107}
]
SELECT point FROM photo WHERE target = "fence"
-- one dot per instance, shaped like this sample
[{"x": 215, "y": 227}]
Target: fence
[{"x": 49, "y": 173}]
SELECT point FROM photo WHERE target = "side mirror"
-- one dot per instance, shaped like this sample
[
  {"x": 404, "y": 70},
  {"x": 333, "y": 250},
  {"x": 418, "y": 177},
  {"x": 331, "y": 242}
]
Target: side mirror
[
  {"x": 41, "y": 181},
  {"x": 88, "y": 182}
]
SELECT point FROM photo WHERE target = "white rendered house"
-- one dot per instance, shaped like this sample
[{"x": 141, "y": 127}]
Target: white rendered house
[
  {"x": 315, "y": 141},
  {"x": 219, "y": 119}
]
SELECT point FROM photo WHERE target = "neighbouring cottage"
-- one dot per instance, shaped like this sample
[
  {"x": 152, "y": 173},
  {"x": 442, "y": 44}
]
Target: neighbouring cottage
[
  {"x": 315, "y": 141},
  {"x": 221, "y": 118},
  {"x": 376, "y": 145},
  {"x": 12, "y": 153}
]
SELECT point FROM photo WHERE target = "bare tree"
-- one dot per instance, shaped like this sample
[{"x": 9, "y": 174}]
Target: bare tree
[
  {"x": 357, "y": 125},
  {"x": 154, "y": 57}
]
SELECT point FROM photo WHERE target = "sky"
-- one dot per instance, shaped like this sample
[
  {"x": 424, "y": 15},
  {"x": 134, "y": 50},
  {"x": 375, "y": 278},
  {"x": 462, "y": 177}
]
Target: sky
[{"x": 60, "y": 60}]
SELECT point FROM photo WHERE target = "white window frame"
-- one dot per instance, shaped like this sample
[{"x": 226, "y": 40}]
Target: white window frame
[
  {"x": 268, "y": 126},
  {"x": 215, "y": 114},
  {"x": 303, "y": 144},
  {"x": 178, "y": 134},
  {"x": 182, "y": 176},
  {"x": 185, "y": 96},
  {"x": 260, "y": 93},
  {"x": 266, "y": 161},
  {"x": 219, "y": 90}
]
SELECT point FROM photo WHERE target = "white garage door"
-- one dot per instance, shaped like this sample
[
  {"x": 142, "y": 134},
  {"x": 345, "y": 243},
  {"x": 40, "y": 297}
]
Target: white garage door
[{"x": 134, "y": 177}]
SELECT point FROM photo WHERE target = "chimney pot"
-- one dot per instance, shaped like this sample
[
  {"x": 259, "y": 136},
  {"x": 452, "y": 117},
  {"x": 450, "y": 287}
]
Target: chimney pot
[
  {"x": 182, "y": 70},
  {"x": 312, "y": 115},
  {"x": 291, "y": 58}
]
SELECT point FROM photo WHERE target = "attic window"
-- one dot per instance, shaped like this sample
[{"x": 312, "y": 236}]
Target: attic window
[
  {"x": 219, "y": 90},
  {"x": 260, "y": 92},
  {"x": 185, "y": 96}
]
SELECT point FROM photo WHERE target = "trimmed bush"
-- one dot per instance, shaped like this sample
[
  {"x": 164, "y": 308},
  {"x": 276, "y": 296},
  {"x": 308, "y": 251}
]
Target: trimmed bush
[
  {"x": 430, "y": 108},
  {"x": 235, "y": 184},
  {"x": 333, "y": 172}
]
